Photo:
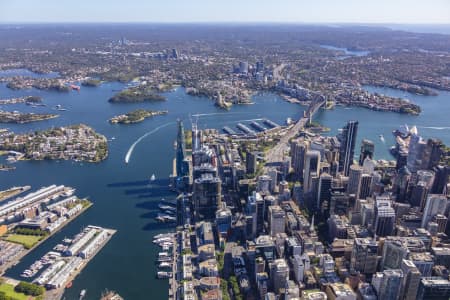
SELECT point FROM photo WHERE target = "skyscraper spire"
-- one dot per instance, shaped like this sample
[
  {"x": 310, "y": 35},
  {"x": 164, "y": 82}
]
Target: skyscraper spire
[{"x": 311, "y": 228}]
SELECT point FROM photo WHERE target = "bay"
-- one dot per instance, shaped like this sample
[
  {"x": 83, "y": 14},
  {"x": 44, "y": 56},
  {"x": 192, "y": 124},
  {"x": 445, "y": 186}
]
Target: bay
[{"x": 126, "y": 263}]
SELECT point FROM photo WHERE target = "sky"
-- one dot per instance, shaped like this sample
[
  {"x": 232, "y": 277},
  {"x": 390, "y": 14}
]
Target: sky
[{"x": 182, "y": 11}]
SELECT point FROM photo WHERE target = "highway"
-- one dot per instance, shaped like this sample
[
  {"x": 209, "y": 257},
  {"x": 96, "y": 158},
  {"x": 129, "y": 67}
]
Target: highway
[{"x": 276, "y": 153}]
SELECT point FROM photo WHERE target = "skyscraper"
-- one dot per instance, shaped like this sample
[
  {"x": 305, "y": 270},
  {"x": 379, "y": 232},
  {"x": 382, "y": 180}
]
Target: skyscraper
[
  {"x": 181, "y": 150},
  {"x": 384, "y": 218},
  {"x": 250, "y": 162},
  {"x": 367, "y": 150},
  {"x": 277, "y": 220},
  {"x": 416, "y": 151},
  {"x": 298, "y": 152},
  {"x": 206, "y": 196},
  {"x": 279, "y": 274},
  {"x": 435, "y": 288},
  {"x": 312, "y": 163},
  {"x": 347, "y": 138},
  {"x": 442, "y": 177},
  {"x": 390, "y": 284},
  {"x": 365, "y": 186},
  {"x": 411, "y": 280},
  {"x": 324, "y": 191},
  {"x": 435, "y": 204},
  {"x": 354, "y": 179},
  {"x": 364, "y": 257},
  {"x": 255, "y": 210}
]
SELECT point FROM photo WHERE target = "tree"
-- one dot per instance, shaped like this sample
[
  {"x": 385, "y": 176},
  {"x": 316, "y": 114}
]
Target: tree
[{"x": 30, "y": 289}]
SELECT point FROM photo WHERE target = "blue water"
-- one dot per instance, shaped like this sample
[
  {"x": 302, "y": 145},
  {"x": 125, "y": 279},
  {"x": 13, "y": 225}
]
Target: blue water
[
  {"x": 126, "y": 264},
  {"x": 432, "y": 122},
  {"x": 347, "y": 52}
]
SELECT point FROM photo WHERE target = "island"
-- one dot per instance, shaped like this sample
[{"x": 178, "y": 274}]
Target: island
[
  {"x": 136, "y": 116},
  {"x": 76, "y": 142},
  {"x": 51, "y": 84},
  {"x": 136, "y": 94},
  {"x": 21, "y": 118},
  {"x": 29, "y": 100}
]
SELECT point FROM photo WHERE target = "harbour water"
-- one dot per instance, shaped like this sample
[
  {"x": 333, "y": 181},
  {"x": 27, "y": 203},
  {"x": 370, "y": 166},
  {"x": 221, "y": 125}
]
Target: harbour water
[
  {"x": 432, "y": 122},
  {"x": 123, "y": 196},
  {"x": 346, "y": 51}
]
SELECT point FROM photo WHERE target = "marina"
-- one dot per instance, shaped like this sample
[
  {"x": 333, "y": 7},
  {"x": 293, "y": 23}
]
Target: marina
[{"x": 57, "y": 269}]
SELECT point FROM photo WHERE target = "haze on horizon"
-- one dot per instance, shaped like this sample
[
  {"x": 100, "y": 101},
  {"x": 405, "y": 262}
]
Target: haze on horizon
[{"x": 242, "y": 11}]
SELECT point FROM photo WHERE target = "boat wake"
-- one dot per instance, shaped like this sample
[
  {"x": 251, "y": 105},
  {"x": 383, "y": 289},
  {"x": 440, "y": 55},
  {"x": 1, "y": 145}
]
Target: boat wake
[
  {"x": 215, "y": 114},
  {"x": 435, "y": 128},
  {"x": 249, "y": 120},
  {"x": 130, "y": 150}
]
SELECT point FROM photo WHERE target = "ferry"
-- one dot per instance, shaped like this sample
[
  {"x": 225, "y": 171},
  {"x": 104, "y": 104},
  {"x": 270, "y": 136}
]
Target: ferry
[
  {"x": 75, "y": 87},
  {"x": 162, "y": 240}
]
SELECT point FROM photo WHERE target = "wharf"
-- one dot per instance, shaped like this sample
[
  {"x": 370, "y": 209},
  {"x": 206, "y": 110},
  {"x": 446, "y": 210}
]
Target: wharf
[
  {"x": 12, "y": 192},
  {"x": 17, "y": 259},
  {"x": 173, "y": 281},
  {"x": 57, "y": 294}
]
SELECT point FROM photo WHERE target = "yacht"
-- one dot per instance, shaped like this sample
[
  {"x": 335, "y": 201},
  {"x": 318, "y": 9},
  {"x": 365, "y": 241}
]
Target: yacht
[
  {"x": 164, "y": 264},
  {"x": 163, "y": 275}
]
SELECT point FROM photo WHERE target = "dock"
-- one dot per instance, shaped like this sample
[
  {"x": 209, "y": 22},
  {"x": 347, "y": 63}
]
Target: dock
[{"x": 79, "y": 264}]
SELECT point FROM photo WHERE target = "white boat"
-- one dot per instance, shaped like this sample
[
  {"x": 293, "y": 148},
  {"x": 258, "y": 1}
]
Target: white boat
[
  {"x": 163, "y": 235},
  {"x": 162, "y": 240},
  {"x": 164, "y": 264},
  {"x": 153, "y": 177},
  {"x": 162, "y": 275}
]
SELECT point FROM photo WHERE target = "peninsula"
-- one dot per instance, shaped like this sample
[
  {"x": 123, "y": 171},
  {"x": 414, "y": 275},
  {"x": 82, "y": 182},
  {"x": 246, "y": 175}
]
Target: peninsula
[
  {"x": 21, "y": 118},
  {"x": 30, "y": 100},
  {"x": 76, "y": 142}
]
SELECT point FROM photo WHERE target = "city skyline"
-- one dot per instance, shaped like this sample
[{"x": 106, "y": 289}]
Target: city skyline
[{"x": 201, "y": 11}]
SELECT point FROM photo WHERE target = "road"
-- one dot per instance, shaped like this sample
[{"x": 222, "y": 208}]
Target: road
[{"x": 276, "y": 153}]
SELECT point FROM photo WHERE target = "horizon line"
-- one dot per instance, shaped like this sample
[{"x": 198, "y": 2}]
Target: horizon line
[{"x": 221, "y": 23}]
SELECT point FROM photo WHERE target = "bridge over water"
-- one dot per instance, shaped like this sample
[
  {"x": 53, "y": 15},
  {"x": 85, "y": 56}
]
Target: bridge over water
[{"x": 275, "y": 154}]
